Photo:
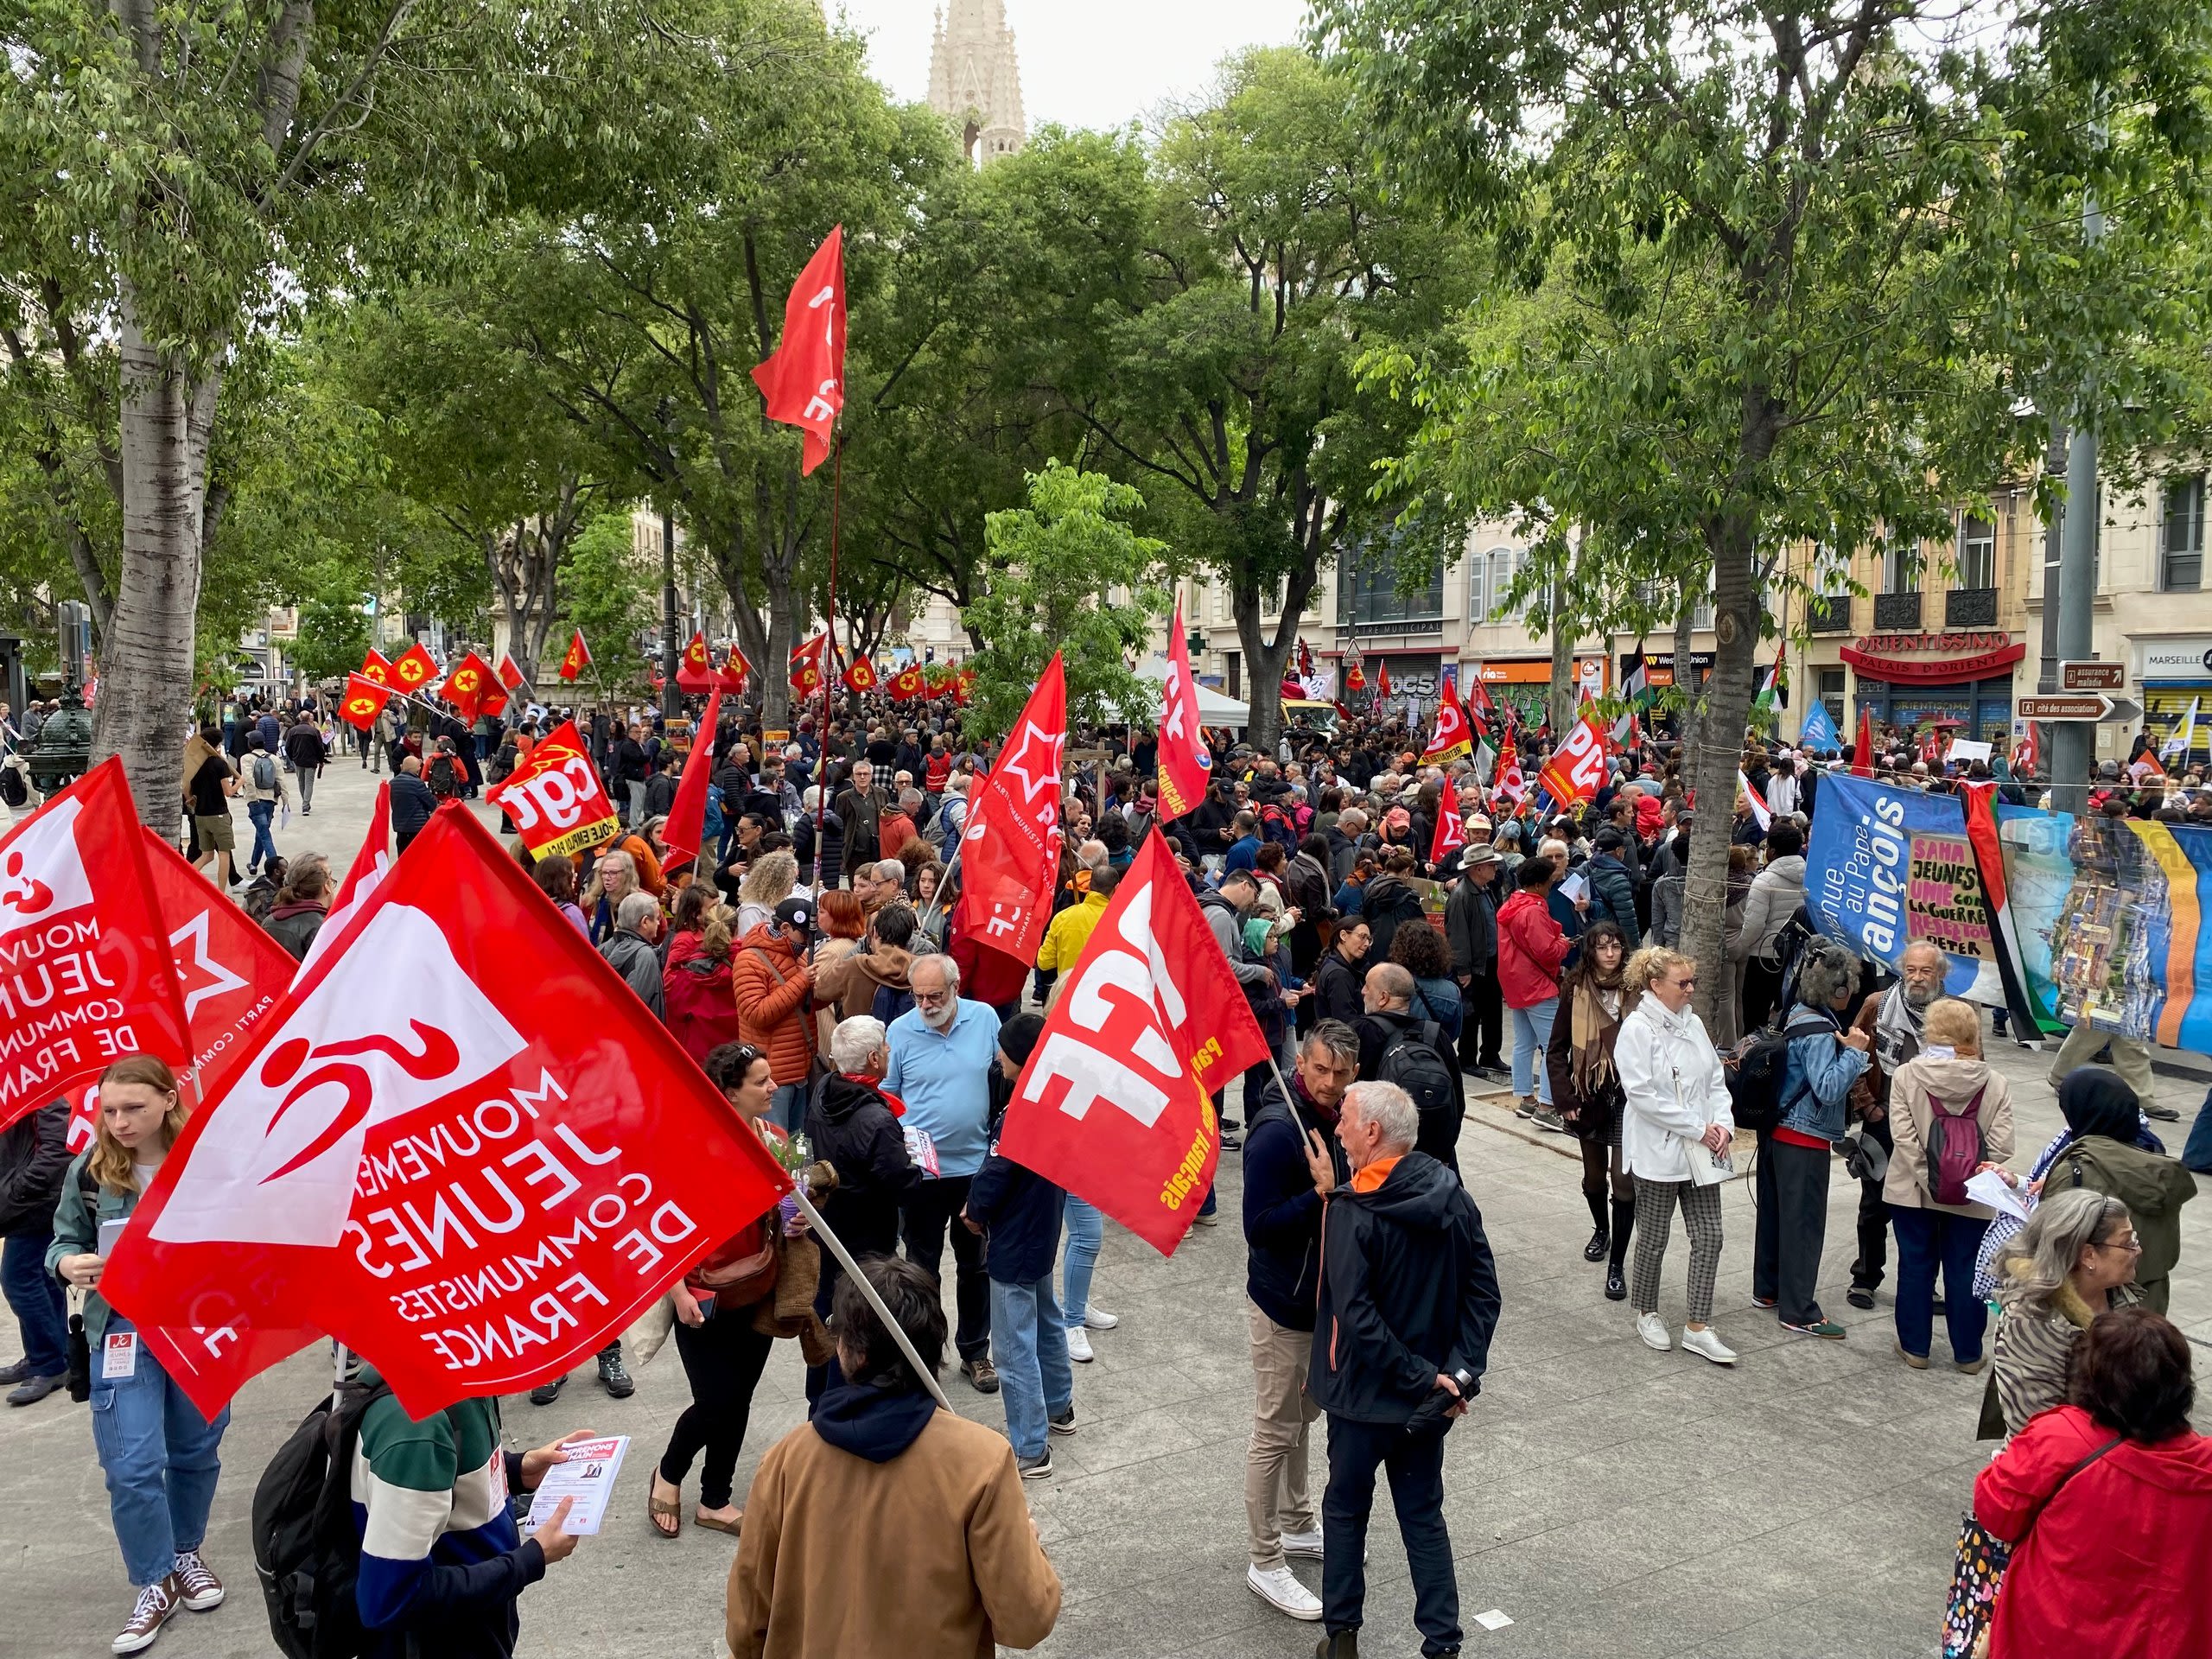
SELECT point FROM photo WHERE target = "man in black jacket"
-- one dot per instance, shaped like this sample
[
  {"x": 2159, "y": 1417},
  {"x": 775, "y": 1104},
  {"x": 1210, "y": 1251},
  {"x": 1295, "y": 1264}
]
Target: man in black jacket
[
  {"x": 1409, "y": 1299},
  {"x": 1471, "y": 929},
  {"x": 411, "y": 801},
  {"x": 859, "y": 810},
  {"x": 1387, "y": 1029},
  {"x": 1292, "y": 1160},
  {"x": 34, "y": 1155}
]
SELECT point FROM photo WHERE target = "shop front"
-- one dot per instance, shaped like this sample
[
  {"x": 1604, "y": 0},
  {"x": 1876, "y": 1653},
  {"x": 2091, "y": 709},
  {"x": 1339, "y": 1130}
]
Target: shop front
[
  {"x": 1526, "y": 682},
  {"x": 1907, "y": 678},
  {"x": 2173, "y": 676},
  {"x": 1659, "y": 667}
]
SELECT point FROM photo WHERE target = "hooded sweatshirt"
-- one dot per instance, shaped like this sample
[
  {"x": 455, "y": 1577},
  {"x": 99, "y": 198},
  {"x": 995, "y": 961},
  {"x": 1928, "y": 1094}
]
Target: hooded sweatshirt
[
  {"x": 1407, "y": 1291},
  {"x": 1919, "y": 1083},
  {"x": 853, "y": 1127}
]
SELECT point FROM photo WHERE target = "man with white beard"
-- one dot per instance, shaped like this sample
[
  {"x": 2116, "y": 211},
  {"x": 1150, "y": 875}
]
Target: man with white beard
[{"x": 1891, "y": 1020}]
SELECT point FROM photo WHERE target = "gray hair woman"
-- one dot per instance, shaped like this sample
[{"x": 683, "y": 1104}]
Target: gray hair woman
[{"x": 2074, "y": 1260}]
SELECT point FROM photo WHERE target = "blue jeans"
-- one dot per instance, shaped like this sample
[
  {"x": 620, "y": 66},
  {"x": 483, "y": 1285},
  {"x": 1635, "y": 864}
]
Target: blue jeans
[
  {"x": 264, "y": 847},
  {"x": 1532, "y": 1031},
  {"x": 1035, "y": 1379},
  {"x": 34, "y": 1295},
  {"x": 2197, "y": 1153},
  {"x": 1415, "y": 1464},
  {"x": 160, "y": 1458},
  {"x": 1086, "y": 1232},
  {"x": 1927, "y": 1240},
  {"x": 787, "y": 1106}
]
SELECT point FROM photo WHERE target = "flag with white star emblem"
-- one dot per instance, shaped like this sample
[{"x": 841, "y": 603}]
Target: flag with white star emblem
[{"x": 1010, "y": 851}]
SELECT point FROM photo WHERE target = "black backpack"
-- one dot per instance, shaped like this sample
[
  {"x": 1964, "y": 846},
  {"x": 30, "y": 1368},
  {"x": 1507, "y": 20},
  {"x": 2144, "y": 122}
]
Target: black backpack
[
  {"x": 1414, "y": 1059},
  {"x": 12, "y": 788},
  {"x": 307, "y": 1552}
]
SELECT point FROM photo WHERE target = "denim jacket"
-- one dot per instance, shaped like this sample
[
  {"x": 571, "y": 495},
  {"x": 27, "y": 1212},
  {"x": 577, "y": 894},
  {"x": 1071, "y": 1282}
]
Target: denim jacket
[
  {"x": 77, "y": 1232},
  {"x": 1817, "y": 1080}
]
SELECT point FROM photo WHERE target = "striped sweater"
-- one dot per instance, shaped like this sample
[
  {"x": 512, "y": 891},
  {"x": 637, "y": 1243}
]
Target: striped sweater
[{"x": 441, "y": 1561}]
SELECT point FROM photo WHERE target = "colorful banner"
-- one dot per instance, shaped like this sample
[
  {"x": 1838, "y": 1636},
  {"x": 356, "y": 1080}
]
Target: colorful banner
[{"x": 1888, "y": 867}]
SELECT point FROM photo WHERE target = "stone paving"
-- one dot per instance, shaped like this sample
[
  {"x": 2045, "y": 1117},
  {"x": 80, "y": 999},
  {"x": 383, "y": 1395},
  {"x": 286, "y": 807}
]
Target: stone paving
[{"x": 1610, "y": 1500}]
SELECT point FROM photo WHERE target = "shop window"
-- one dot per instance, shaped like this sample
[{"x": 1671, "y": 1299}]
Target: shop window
[
  {"x": 2181, "y": 562},
  {"x": 1976, "y": 553}
]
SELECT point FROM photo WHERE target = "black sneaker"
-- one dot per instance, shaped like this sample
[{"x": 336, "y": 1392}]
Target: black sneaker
[
  {"x": 1036, "y": 1468},
  {"x": 1229, "y": 1142},
  {"x": 1064, "y": 1423},
  {"x": 546, "y": 1393},
  {"x": 616, "y": 1376}
]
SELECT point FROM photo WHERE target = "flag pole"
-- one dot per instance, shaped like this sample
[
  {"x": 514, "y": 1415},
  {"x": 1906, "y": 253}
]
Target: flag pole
[
  {"x": 853, "y": 1269},
  {"x": 830, "y": 662}
]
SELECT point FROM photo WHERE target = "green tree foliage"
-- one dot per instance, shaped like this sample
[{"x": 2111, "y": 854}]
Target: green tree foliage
[
  {"x": 1068, "y": 574},
  {"x": 333, "y": 640},
  {"x": 607, "y": 596}
]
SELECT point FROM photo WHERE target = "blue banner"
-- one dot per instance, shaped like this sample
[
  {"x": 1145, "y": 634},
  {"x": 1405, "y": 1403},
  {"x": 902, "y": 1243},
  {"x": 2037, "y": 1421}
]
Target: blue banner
[
  {"x": 1819, "y": 731},
  {"x": 1888, "y": 867}
]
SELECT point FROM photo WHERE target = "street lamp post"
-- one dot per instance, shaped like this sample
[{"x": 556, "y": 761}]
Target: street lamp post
[{"x": 670, "y": 698}]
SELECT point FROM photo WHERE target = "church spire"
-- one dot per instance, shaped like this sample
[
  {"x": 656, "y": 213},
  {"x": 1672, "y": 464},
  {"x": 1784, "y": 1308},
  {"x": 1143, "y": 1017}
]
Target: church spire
[{"x": 974, "y": 81}]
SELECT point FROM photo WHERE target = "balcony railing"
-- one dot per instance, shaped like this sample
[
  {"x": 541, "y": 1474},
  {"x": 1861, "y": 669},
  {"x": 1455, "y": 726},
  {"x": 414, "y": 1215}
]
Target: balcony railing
[
  {"x": 1828, "y": 614},
  {"x": 1970, "y": 608},
  {"x": 1897, "y": 612}
]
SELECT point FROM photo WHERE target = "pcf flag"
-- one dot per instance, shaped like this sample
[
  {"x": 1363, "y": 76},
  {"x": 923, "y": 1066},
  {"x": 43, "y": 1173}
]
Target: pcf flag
[
  {"x": 1451, "y": 835},
  {"x": 469, "y": 1174},
  {"x": 228, "y": 971},
  {"x": 687, "y": 819},
  {"x": 1010, "y": 849},
  {"x": 555, "y": 798},
  {"x": 1576, "y": 766},
  {"x": 804, "y": 381},
  {"x": 86, "y": 974},
  {"x": 1186, "y": 763},
  {"x": 576, "y": 658},
  {"x": 1112, "y": 1105}
]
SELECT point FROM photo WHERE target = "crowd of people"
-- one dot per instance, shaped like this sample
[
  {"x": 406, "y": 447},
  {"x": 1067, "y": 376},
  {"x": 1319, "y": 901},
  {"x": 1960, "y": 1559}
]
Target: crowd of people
[{"x": 809, "y": 958}]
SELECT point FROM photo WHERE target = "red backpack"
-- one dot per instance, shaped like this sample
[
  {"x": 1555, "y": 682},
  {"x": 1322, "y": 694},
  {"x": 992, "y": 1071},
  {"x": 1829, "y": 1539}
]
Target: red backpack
[{"x": 1954, "y": 1148}]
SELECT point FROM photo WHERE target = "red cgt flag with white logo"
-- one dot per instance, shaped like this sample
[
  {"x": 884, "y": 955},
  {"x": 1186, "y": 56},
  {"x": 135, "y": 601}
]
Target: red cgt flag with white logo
[
  {"x": 1112, "y": 1105},
  {"x": 557, "y": 803},
  {"x": 1185, "y": 764},
  {"x": 85, "y": 971},
  {"x": 1010, "y": 851},
  {"x": 468, "y": 1174}
]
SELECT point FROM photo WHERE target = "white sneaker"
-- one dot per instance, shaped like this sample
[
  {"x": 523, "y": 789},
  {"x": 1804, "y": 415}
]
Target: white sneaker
[
  {"x": 1306, "y": 1545},
  {"x": 1279, "y": 1588},
  {"x": 1079, "y": 1346},
  {"x": 1707, "y": 1342},
  {"x": 1653, "y": 1329},
  {"x": 1097, "y": 1320}
]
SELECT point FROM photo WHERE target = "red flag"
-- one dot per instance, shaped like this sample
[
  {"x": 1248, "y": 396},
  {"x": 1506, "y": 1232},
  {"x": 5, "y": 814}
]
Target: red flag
[
  {"x": 1452, "y": 736},
  {"x": 369, "y": 866},
  {"x": 1112, "y": 1104},
  {"x": 1355, "y": 678},
  {"x": 492, "y": 703},
  {"x": 415, "y": 668},
  {"x": 466, "y": 686},
  {"x": 687, "y": 820},
  {"x": 860, "y": 674},
  {"x": 1507, "y": 782},
  {"x": 472, "y": 1176},
  {"x": 695, "y": 670},
  {"x": 555, "y": 796},
  {"x": 735, "y": 671},
  {"x": 1478, "y": 704},
  {"x": 1186, "y": 763},
  {"x": 2023, "y": 756},
  {"x": 1451, "y": 832},
  {"x": 377, "y": 668},
  {"x": 86, "y": 974},
  {"x": 364, "y": 701},
  {"x": 804, "y": 381},
  {"x": 1381, "y": 680},
  {"x": 1862, "y": 753},
  {"x": 908, "y": 683},
  {"x": 1010, "y": 851},
  {"x": 806, "y": 664},
  {"x": 511, "y": 674},
  {"x": 576, "y": 658},
  {"x": 228, "y": 971},
  {"x": 1576, "y": 768}
]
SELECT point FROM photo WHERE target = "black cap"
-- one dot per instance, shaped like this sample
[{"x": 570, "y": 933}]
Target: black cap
[
  {"x": 1019, "y": 1035},
  {"x": 796, "y": 913}
]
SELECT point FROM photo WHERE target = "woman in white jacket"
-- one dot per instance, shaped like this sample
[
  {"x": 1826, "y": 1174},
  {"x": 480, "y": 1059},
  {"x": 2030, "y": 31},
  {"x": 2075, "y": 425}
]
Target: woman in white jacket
[{"x": 1675, "y": 1134}]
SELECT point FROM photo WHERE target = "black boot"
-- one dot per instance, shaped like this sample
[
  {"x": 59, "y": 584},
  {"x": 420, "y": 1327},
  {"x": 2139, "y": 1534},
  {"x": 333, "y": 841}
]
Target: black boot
[
  {"x": 1623, "y": 1223},
  {"x": 1595, "y": 1249},
  {"x": 1345, "y": 1644}
]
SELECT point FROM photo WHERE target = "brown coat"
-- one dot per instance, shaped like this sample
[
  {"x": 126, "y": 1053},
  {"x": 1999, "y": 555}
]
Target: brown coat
[
  {"x": 929, "y": 1556},
  {"x": 1869, "y": 1098},
  {"x": 1908, "y": 1185},
  {"x": 851, "y": 981}
]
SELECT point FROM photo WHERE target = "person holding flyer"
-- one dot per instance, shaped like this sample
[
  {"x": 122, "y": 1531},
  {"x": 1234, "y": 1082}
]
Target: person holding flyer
[{"x": 160, "y": 1455}]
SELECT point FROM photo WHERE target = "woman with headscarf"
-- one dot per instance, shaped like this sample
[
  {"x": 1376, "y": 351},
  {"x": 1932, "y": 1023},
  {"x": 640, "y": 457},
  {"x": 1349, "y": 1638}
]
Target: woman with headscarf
[
  {"x": 2106, "y": 1156},
  {"x": 1586, "y": 1092}
]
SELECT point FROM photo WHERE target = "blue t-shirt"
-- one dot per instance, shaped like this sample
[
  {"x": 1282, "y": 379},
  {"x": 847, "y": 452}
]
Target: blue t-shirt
[
  {"x": 944, "y": 1078},
  {"x": 1243, "y": 855}
]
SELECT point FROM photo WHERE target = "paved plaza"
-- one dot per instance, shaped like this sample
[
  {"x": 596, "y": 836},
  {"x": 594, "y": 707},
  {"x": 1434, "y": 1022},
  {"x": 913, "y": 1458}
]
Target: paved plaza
[{"x": 1610, "y": 1500}]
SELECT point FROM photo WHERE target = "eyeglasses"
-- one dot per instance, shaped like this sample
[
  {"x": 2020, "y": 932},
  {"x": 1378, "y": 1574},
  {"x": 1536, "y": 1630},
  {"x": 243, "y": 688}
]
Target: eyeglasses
[
  {"x": 1689, "y": 984},
  {"x": 2132, "y": 1244}
]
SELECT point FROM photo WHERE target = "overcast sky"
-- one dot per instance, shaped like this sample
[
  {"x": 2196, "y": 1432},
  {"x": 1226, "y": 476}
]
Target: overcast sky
[{"x": 1086, "y": 66}]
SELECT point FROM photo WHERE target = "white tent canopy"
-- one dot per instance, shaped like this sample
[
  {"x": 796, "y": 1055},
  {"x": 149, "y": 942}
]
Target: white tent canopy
[{"x": 1214, "y": 709}]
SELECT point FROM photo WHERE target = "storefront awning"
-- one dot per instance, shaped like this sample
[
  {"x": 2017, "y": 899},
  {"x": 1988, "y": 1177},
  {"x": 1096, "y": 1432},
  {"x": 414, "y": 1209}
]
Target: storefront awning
[{"x": 1883, "y": 665}]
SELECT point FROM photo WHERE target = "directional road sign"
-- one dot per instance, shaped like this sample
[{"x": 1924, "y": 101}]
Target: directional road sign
[
  {"x": 2085, "y": 706},
  {"x": 2092, "y": 676}
]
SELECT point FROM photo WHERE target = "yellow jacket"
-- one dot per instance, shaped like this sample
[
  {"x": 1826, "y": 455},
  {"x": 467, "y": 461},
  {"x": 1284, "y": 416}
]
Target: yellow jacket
[{"x": 1069, "y": 932}]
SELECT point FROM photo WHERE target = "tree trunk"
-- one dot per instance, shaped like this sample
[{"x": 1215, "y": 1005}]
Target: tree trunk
[
  {"x": 1727, "y": 704},
  {"x": 147, "y": 670},
  {"x": 1686, "y": 676}
]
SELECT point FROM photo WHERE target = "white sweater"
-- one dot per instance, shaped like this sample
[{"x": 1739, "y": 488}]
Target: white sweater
[{"x": 1672, "y": 1078}]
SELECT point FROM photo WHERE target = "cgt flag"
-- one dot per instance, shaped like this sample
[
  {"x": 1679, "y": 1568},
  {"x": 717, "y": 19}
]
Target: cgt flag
[
  {"x": 86, "y": 974},
  {"x": 471, "y": 1177},
  {"x": 1453, "y": 737},
  {"x": 803, "y": 382},
  {"x": 576, "y": 658},
  {"x": 1112, "y": 1105},
  {"x": 1186, "y": 763},
  {"x": 364, "y": 701},
  {"x": 1010, "y": 851},
  {"x": 558, "y": 805}
]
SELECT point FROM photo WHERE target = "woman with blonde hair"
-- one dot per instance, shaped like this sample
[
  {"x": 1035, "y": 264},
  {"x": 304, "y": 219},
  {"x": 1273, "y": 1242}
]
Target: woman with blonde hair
[
  {"x": 159, "y": 1453},
  {"x": 1676, "y": 1129},
  {"x": 767, "y": 884}
]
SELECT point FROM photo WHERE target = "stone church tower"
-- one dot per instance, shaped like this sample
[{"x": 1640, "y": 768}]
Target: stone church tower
[{"x": 974, "y": 80}]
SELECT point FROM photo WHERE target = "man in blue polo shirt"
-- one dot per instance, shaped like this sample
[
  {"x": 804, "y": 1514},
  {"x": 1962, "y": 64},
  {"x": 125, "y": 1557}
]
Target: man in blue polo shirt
[{"x": 941, "y": 1052}]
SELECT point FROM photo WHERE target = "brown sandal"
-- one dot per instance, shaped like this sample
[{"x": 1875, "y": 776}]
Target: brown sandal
[
  {"x": 657, "y": 1511},
  {"x": 730, "y": 1527}
]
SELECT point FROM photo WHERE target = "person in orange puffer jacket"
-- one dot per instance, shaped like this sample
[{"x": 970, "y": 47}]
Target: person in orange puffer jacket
[{"x": 773, "y": 984}]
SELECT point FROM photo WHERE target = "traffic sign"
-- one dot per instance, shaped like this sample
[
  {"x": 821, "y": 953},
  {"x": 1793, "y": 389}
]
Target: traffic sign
[
  {"x": 2085, "y": 706},
  {"x": 2086, "y": 676}
]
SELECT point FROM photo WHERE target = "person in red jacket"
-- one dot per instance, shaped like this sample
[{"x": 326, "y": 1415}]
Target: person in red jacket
[
  {"x": 1531, "y": 946},
  {"x": 2107, "y": 1505}
]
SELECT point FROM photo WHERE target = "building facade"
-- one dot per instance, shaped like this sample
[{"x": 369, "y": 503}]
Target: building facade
[{"x": 974, "y": 81}]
